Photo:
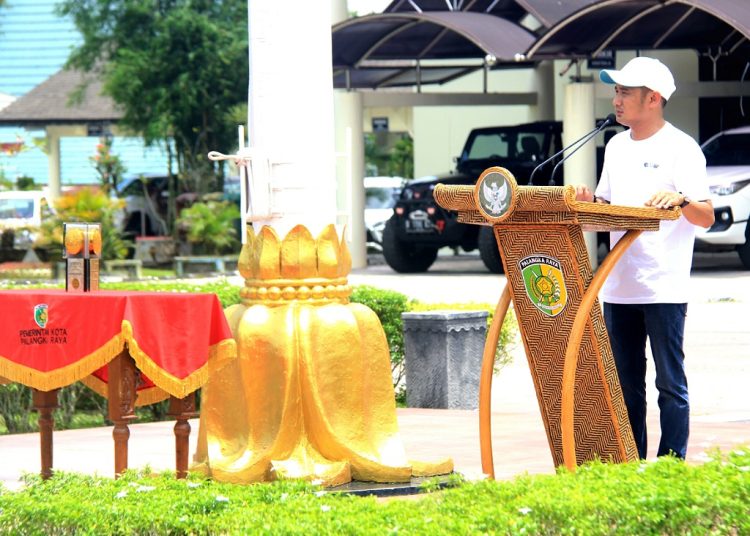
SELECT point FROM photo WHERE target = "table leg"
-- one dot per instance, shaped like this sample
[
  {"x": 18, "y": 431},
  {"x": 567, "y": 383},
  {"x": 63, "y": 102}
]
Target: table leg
[
  {"x": 45, "y": 402},
  {"x": 182, "y": 409},
  {"x": 121, "y": 388}
]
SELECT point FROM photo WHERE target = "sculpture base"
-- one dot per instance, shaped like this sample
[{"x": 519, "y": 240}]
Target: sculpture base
[
  {"x": 391, "y": 489},
  {"x": 310, "y": 396}
]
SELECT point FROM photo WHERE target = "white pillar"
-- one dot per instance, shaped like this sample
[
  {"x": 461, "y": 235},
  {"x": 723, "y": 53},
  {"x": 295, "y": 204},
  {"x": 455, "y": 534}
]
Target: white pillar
[
  {"x": 578, "y": 119},
  {"x": 544, "y": 83},
  {"x": 53, "y": 163},
  {"x": 350, "y": 164},
  {"x": 290, "y": 114},
  {"x": 350, "y": 172},
  {"x": 339, "y": 11}
]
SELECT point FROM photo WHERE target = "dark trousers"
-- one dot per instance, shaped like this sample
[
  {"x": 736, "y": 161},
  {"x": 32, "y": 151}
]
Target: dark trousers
[{"x": 628, "y": 326}]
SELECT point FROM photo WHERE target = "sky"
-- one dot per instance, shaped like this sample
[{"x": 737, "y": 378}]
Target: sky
[{"x": 364, "y": 7}]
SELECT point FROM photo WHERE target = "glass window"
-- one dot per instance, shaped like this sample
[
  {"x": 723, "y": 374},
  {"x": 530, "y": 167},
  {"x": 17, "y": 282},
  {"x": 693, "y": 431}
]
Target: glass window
[
  {"x": 489, "y": 145},
  {"x": 728, "y": 150},
  {"x": 381, "y": 197},
  {"x": 16, "y": 208}
]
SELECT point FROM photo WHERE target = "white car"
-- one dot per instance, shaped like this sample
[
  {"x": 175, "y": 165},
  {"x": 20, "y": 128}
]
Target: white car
[
  {"x": 380, "y": 197},
  {"x": 728, "y": 165},
  {"x": 145, "y": 198},
  {"x": 22, "y": 211}
]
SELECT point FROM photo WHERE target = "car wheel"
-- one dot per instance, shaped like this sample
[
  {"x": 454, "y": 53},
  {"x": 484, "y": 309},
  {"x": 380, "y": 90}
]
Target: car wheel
[
  {"x": 404, "y": 257},
  {"x": 489, "y": 251},
  {"x": 744, "y": 250}
]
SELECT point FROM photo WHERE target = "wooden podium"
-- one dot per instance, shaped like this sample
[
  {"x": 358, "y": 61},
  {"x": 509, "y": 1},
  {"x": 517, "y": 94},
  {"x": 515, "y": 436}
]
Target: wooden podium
[{"x": 539, "y": 232}]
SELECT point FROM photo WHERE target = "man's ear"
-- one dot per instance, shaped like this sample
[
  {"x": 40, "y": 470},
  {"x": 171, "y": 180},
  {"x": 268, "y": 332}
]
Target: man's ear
[{"x": 655, "y": 98}]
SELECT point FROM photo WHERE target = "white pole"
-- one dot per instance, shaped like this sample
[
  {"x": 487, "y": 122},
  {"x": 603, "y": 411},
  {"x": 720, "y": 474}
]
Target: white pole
[
  {"x": 243, "y": 185},
  {"x": 290, "y": 115},
  {"x": 579, "y": 119}
]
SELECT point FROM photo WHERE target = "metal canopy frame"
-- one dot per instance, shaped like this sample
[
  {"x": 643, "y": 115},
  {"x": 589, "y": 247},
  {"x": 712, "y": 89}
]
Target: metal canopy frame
[
  {"x": 713, "y": 26},
  {"x": 394, "y": 49},
  {"x": 416, "y": 42}
]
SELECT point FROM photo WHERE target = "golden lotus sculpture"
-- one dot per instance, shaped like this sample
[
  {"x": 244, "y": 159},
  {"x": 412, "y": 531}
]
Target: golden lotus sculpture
[{"x": 311, "y": 394}]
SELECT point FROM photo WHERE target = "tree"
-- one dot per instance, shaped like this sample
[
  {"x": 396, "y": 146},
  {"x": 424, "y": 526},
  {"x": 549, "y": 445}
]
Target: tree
[
  {"x": 108, "y": 166},
  {"x": 401, "y": 162},
  {"x": 175, "y": 67}
]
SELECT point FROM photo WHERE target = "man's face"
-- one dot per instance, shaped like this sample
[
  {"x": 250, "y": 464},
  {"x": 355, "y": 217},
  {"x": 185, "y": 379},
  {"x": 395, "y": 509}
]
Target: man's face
[{"x": 632, "y": 104}]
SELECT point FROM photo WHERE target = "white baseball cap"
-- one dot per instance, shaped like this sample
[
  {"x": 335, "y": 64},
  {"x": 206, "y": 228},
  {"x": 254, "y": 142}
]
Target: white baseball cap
[{"x": 642, "y": 72}]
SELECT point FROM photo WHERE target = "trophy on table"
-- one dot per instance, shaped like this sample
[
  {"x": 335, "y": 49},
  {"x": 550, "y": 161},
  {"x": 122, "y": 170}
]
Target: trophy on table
[{"x": 82, "y": 251}]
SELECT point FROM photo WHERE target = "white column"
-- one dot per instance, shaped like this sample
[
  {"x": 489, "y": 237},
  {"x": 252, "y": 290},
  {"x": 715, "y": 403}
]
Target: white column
[
  {"x": 290, "y": 114},
  {"x": 350, "y": 164},
  {"x": 53, "y": 163},
  {"x": 350, "y": 172},
  {"x": 578, "y": 119},
  {"x": 544, "y": 84},
  {"x": 339, "y": 11}
]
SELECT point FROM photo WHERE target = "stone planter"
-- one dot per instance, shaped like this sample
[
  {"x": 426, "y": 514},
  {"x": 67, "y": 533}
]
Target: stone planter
[{"x": 443, "y": 358}]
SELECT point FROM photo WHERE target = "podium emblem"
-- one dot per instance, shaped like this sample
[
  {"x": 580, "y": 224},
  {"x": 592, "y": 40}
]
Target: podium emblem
[
  {"x": 495, "y": 194},
  {"x": 544, "y": 283}
]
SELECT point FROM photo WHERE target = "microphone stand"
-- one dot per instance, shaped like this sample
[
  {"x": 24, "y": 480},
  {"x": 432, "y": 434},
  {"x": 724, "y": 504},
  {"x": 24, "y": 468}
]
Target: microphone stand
[{"x": 610, "y": 119}]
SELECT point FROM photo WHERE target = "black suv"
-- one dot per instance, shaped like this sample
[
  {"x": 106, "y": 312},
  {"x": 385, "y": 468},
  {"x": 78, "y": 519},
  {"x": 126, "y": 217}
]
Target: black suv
[{"x": 419, "y": 226}]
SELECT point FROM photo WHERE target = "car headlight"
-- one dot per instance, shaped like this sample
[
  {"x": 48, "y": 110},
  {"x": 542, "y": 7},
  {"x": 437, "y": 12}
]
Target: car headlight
[{"x": 729, "y": 189}]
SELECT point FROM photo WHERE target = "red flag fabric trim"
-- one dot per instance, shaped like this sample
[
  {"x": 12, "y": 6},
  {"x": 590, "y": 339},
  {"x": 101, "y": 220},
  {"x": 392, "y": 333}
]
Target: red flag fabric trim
[{"x": 51, "y": 338}]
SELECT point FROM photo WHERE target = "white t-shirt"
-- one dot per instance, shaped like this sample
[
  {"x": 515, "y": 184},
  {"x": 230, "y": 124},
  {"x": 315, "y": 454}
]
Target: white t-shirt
[{"x": 656, "y": 267}]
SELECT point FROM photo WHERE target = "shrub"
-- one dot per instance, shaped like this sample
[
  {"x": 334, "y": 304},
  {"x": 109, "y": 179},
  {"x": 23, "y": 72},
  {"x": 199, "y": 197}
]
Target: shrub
[
  {"x": 85, "y": 205},
  {"x": 25, "y": 183},
  {"x": 210, "y": 226},
  {"x": 663, "y": 497},
  {"x": 15, "y": 408},
  {"x": 388, "y": 305}
]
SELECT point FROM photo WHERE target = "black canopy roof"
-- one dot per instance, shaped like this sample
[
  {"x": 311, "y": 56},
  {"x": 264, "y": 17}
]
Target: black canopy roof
[
  {"x": 383, "y": 50},
  {"x": 545, "y": 12},
  {"x": 424, "y": 41},
  {"x": 717, "y": 26},
  {"x": 400, "y": 46}
]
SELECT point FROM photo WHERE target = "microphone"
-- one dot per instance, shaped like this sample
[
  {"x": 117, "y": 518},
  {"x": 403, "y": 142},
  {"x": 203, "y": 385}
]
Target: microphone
[{"x": 610, "y": 119}]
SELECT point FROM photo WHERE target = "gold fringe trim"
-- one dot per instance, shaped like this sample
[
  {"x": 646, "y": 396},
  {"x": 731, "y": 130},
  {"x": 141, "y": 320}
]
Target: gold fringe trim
[
  {"x": 96, "y": 385},
  {"x": 144, "y": 397},
  {"x": 218, "y": 356},
  {"x": 152, "y": 395},
  {"x": 47, "y": 381}
]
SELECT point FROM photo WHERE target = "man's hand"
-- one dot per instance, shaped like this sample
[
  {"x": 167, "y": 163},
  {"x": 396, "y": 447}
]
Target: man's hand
[
  {"x": 699, "y": 213},
  {"x": 583, "y": 193},
  {"x": 665, "y": 199}
]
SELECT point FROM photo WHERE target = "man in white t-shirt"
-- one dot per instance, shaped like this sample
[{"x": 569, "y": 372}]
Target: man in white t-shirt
[{"x": 652, "y": 164}]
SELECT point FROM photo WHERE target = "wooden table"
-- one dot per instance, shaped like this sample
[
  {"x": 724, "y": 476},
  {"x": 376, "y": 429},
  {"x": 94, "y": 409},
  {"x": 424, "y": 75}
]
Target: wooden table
[{"x": 134, "y": 348}]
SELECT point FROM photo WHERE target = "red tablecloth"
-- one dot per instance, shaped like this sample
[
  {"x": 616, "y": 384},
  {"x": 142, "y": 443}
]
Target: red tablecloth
[{"x": 51, "y": 338}]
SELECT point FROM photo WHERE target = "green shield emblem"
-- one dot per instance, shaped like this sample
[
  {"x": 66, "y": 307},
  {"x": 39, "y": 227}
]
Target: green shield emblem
[
  {"x": 41, "y": 315},
  {"x": 544, "y": 283}
]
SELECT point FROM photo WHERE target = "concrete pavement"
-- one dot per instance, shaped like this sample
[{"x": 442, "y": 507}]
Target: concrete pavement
[{"x": 718, "y": 362}]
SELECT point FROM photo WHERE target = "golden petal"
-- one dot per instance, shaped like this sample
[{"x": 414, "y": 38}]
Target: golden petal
[
  {"x": 266, "y": 254},
  {"x": 298, "y": 256},
  {"x": 345, "y": 258},
  {"x": 328, "y": 252},
  {"x": 245, "y": 262}
]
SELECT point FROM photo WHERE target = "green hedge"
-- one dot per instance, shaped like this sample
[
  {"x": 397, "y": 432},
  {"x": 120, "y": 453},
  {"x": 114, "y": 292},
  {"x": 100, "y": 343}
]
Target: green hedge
[{"x": 665, "y": 497}]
